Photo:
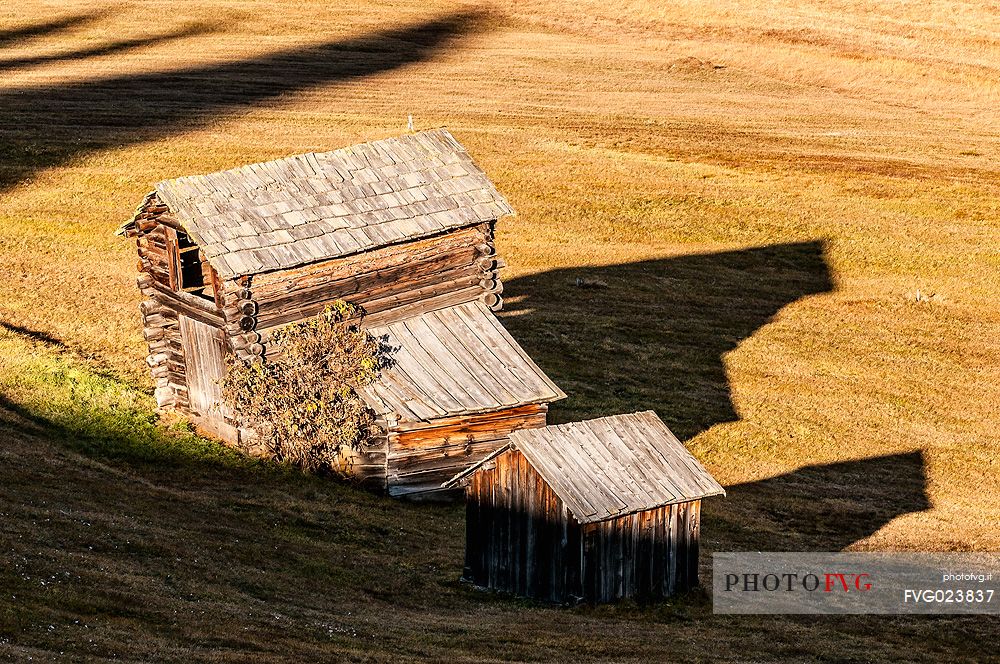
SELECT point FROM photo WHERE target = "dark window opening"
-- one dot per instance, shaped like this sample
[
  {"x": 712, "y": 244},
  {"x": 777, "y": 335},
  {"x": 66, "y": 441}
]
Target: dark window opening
[{"x": 190, "y": 273}]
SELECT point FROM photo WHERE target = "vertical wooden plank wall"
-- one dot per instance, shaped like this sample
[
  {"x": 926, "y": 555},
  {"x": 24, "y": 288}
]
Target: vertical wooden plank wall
[
  {"x": 519, "y": 536},
  {"x": 521, "y": 539},
  {"x": 644, "y": 556},
  {"x": 204, "y": 353}
]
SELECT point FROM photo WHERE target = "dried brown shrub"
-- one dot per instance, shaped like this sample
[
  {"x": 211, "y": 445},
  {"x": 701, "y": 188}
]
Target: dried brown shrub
[{"x": 303, "y": 405}]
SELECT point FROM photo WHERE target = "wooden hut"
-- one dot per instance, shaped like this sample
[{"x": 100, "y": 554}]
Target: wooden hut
[
  {"x": 592, "y": 511},
  {"x": 404, "y": 228}
]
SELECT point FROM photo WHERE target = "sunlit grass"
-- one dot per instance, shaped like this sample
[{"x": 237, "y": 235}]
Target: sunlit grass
[{"x": 95, "y": 412}]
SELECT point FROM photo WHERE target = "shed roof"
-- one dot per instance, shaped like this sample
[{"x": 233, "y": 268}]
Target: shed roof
[
  {"x": 316, "y": 206},
  {"x": 611, "y": 466},
  {"x": 453, "y": 361}
]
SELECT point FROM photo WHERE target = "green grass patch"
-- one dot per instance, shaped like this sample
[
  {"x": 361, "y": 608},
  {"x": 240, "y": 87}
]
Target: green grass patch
[{"x": 95, "y": 412}]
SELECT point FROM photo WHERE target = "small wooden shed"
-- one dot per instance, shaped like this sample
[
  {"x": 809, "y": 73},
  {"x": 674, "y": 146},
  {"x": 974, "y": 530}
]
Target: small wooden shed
[
  {"x": 593, "y": 511},
  {"x": 402, "y": 227}
]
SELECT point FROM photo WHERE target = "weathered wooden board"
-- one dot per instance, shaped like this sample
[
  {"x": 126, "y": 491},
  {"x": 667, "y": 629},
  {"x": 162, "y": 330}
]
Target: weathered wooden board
[
  {"x": 421, "y": 459},
  {"x": 455, "y": 361},
  {"x": 204, "y": 352},
  {"x": 374, "y": 278}
]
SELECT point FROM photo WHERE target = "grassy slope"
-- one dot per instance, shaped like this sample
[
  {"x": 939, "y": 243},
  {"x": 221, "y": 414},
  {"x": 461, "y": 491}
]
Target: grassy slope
[{"x": 763, "y": 228}]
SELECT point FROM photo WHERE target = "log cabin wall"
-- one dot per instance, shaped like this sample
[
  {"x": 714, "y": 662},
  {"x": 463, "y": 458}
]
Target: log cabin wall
[
  {"x": 239, "y": 314},
  {"x": 151, "y": 241},
  {"x": 161, "y": 327},
  {"x": 368, "y": 465},
  {"x": 521, "y": 539},
  {"x": 390, "y": 282},
  {"x": 422, "y": 457},
  {"x": 165, "y": 304}
]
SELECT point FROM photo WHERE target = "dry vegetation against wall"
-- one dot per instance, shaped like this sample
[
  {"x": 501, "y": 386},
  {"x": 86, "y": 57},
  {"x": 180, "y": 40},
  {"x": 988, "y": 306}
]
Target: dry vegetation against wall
[{"x": 302, "y": 407}]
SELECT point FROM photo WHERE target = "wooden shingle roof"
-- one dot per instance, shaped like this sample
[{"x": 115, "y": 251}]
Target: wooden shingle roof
[
  {"x": 611, "y": 466},
  {"x": 453, "y": 361},
  {"x": 317, "y": 206}
]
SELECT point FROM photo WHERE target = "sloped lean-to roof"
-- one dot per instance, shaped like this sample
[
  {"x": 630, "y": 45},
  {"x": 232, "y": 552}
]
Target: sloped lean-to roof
[
  {"x": 454, "y": 361},
  {"x": 311, "y": 207},
  {"x": 611, "y": 466}
]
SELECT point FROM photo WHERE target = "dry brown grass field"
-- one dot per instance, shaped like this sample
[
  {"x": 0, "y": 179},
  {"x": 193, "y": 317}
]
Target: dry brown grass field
[{"x": 794, "y": 205}]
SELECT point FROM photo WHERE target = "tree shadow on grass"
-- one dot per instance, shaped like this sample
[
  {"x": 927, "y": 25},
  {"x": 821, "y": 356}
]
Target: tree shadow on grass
[
  {"x": 111, "y": 48},
  {"x": 654, "y": 334},
  {"x": 12, "y": 36},
  {"x": 55, "y": 124},
  {"x": 34, "y": 335}
]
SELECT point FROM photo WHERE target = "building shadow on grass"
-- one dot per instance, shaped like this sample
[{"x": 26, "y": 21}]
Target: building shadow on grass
[
  {"x": 653, "y": 334},
  {"x": 822, "y": 507},
  {"x": 58, "y": 123}
]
